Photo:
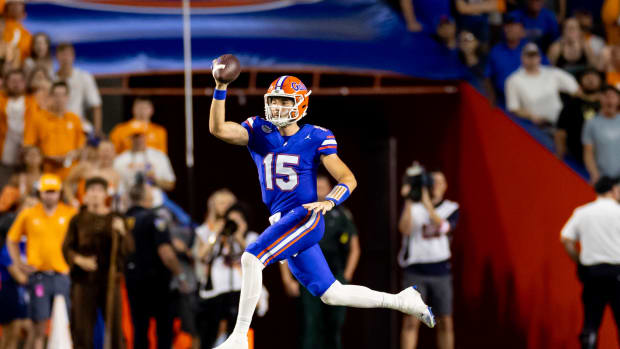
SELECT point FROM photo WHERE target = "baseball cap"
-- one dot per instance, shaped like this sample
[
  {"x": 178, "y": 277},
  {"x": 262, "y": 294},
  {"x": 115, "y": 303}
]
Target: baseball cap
[
  {"x": 510, "y": 18},
  {"x": 137, "y": 127},
  {"x": 530, "y": 48},
  {"x": 49, "y": 182}
]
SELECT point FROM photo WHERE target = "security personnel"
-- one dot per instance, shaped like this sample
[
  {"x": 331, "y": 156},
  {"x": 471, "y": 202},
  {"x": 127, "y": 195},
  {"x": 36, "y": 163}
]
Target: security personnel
[
  {"x": 150, "y": 270},
  {"x": 595, "y": 226},
  {"x": 321, "y": 324}
]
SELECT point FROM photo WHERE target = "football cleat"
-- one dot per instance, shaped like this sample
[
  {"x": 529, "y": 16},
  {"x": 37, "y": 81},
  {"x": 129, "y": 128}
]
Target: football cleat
[
  {"x": 411, "y": 303},
  {"x": 234, "y": 342}
]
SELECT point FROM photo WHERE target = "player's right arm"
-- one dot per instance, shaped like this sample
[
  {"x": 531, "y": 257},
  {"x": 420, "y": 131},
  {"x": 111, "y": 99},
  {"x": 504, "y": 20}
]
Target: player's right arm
[{"x": 228, "y": 131}]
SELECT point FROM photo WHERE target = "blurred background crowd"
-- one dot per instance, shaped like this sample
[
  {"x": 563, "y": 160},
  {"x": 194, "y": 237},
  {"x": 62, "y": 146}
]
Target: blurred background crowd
[{"x": 552, "y": 63}]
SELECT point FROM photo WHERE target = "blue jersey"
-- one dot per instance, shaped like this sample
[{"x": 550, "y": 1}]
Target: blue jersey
[{"x": 287, "y": 165}]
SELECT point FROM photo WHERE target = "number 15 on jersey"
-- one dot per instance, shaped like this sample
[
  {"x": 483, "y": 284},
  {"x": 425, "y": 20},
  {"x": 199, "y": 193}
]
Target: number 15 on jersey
[{"x": 283, "y": 174}]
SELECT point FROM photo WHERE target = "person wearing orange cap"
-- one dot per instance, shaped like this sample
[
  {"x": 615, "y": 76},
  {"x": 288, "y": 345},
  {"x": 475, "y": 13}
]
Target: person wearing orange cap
[
  {"x": 44, "y": 226},
  {"x": 57, "y": 132},
  {"x": 156, "y": 135},
  {"x": 142, "y": 160}
]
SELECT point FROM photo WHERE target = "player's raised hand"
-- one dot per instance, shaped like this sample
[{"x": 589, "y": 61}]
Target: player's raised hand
[
  {"x": 215, "y": 67},
  {"x": 320, "y": 206}
]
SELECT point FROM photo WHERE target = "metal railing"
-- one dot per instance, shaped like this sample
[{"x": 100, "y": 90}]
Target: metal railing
[{"x": 254, "y": 81}]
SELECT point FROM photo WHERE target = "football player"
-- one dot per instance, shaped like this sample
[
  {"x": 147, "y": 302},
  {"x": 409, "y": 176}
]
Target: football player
[{"x": 287, "y": 156}]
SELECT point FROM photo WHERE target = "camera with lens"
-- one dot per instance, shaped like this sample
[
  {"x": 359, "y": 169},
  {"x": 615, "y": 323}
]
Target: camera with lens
[
  {"x": 230, "y": 227},
  {"x": 417, "y": 177},
  {"x": 140, "y": 179}
]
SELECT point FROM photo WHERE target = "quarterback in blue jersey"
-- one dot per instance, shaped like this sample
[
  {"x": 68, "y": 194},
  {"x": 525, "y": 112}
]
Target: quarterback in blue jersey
[{"x": 287, "y": 156}]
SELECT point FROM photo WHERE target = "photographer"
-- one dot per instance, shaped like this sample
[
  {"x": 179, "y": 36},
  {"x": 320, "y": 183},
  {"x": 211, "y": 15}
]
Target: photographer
[
  {"x": 219, "y": 295},
  {"x": 426, "y": 223}
]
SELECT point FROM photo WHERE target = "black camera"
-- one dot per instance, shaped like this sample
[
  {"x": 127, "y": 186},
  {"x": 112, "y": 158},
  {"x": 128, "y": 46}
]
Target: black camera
[
  {"x": 230, "y": 227},
  {"x": 417, "y": 177},
  {"x": 140, "y": 179}
]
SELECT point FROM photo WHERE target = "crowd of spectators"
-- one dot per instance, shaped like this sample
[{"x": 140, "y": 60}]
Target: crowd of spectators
[
  {"x": 81, "y": 211},
  {"x": 549, "y": 63}
]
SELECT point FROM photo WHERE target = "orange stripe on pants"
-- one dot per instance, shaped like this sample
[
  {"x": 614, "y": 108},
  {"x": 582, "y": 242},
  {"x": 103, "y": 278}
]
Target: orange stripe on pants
[
  {"x": 318, "y": 218},
  {"x": 302, "y": 222}
]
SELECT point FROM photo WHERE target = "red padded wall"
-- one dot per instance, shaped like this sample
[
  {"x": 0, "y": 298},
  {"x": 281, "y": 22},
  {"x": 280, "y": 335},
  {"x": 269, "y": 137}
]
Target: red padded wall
[{"x": 515, "y": 285}]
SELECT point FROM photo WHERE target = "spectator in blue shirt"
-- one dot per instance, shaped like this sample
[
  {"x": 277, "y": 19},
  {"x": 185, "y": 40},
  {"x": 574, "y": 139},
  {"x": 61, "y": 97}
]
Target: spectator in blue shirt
[
  {"x": 504, "y": 58},
  {"x": 541, "y": 24}
]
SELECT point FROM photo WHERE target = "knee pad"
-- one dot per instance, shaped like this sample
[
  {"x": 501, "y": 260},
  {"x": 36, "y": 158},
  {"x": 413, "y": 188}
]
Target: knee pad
[
  {"x": 249, "y": 260},
  {"x": 588, "y": 340},
  {"x": 333, "y": 295}
]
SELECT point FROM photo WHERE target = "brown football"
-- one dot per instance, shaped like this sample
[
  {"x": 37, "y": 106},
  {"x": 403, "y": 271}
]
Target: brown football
[{"x": 226, "y": 68}]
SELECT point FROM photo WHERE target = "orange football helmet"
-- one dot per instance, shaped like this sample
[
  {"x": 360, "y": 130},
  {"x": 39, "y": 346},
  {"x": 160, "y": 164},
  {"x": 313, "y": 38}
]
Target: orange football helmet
[{"x": 287, "y": 87}]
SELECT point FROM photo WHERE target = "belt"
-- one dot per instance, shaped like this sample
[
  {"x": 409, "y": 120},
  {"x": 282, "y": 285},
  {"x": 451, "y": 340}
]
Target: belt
[{"x": 275, "y": 218}]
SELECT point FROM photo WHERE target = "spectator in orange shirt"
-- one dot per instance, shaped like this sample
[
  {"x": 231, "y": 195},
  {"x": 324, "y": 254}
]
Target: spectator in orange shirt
[
  {"x": 611, "y": 65},
  {"x": 609, "y": 14},
  {"x": 156, "y": 136},
  {"x": 15, "y": 35},
  {"x": 44, "y": 226},
  {"x": 57, "y": 132},
  {"x": 39, "y": 85},
  {"x": 40, "y": 55},
  {"x": 16, "y": 110}
]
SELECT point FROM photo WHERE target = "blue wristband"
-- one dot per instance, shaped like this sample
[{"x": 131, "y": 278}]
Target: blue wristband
[
  {"x": 339, "y": 194},
  {"x": 220, "y": 95}
]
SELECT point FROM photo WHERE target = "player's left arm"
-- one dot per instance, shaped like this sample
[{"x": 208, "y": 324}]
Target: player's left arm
[{"x": 346, "y": 184}]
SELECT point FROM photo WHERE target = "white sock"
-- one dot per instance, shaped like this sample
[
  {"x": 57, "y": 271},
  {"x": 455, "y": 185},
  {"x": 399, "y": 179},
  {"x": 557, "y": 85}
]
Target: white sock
[
  {"x": 251, "y": 285},
  {"x": 359, "y": 297}
]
